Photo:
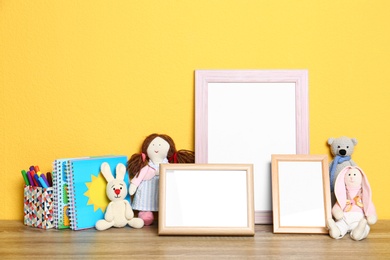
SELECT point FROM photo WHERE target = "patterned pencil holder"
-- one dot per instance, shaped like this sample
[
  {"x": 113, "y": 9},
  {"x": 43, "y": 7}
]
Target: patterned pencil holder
[{"x": 38, "y": 207}]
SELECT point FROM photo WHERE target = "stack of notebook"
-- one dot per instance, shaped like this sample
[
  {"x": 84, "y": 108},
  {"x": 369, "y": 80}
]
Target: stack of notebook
[{"x": 80, "y": 190}]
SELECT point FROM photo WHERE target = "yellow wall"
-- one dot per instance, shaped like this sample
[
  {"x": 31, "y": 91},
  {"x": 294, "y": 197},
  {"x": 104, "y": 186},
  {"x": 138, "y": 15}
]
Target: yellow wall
[{"x": 95, "y": 77}]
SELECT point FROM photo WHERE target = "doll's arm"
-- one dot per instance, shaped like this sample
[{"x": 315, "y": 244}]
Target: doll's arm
[
  {"x": 109, "y": 216},
  {"x": 337, "y": 212},
  {"x": 141, "y": 176},
  {"x": 136, "y": 181},
  {"x": 129, "y": 214},
  {"x": 132, "y": 189}
]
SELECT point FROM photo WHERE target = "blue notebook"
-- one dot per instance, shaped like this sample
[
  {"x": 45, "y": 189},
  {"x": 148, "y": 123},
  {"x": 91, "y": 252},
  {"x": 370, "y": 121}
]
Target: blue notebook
[{"x": 87, "y": 189}]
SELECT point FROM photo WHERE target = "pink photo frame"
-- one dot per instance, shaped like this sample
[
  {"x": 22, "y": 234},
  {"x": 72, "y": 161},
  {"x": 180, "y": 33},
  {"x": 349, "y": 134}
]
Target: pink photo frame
[{"x": 244, "y": 116}]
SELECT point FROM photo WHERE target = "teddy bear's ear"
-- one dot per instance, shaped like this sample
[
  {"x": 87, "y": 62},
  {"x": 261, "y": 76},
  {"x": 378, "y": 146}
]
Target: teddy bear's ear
[
  {"x": 330, "y": 141},
  {"x": 354, "y": 141}
]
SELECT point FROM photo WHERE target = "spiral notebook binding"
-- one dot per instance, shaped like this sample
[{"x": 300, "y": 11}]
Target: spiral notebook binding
[
  {"x": 55, "y": 193},
  {"x": 71, "y": 197},
  {"x": 58, "y": 185},
  {"x": 60, "y": 190}
]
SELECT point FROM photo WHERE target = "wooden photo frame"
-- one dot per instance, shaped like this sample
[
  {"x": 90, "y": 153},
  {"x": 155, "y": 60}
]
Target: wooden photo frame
[
  {"x": 244, "y": 116},
  {"x": 300, "y": 193},
  {"x": 206, "y": 199}
]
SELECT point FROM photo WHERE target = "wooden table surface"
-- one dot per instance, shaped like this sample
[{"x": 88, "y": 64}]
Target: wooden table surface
[{"x": 18, "y": 241}]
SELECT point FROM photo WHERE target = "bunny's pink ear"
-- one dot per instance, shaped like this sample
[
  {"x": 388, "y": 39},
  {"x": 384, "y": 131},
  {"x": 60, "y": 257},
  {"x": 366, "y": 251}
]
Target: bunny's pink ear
[
  {"x": 339, "y": 187},
  {"x": 366, "y": 195}
]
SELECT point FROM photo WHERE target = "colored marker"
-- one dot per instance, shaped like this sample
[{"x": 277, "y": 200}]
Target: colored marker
[
  {"x": 32, "y": 168},
  {"x": 49, "y": 179},
  {"x": 30, "y": 179},
  {"x": 36, "y": 168},
  {"x": 45, "y": 180},
  {"x": 36, "y": 178},
  {"x": 32, "y": 174},
  {"x": 42, "y": 182},
  {"x": 24, "y": 174},
  {"x": 37, "y": 173}
]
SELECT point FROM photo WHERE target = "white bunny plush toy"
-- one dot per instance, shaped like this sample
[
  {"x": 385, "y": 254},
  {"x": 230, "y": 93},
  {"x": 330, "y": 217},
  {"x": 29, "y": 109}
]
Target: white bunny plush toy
[
  {"x": 119, "y": 212},
  {"x": 354, "y": 210}
]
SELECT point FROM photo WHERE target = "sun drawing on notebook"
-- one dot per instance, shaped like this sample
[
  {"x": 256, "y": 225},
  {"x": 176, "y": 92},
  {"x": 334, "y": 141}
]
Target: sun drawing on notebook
[{"x": 96, "y": 192}]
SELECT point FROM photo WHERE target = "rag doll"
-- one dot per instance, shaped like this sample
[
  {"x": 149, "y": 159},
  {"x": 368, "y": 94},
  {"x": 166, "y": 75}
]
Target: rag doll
[
  {"x": 144, "y": 172},
  {"x": 354, "y": 210},
  {"x": 118, "y": 212}
]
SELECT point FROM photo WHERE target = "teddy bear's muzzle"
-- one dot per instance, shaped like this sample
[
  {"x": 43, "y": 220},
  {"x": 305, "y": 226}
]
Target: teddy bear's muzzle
[{"x": 342, "y": 152}]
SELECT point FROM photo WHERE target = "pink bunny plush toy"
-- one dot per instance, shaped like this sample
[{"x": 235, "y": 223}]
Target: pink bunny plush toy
[
  {"x": 354, "y": 210},
  {"x": 119, "y": 212}
]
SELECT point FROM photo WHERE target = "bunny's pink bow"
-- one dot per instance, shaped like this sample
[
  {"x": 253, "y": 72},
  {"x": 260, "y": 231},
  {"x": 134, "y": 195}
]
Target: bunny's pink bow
[{"x": 355, "y": 201}]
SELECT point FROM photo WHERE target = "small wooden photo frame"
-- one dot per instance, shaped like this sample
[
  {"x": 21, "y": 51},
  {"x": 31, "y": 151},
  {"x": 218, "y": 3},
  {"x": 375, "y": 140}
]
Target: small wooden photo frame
[
  {"x": 300, "y": 193},
  {"x": 206, "y": 199}
]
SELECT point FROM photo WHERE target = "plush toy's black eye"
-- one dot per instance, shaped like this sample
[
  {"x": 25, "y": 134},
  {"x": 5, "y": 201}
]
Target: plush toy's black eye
[
  {"x": 347, "y": 146},
  {"x": 113, "y": 188},
  {"x": 338, "y": 146}
]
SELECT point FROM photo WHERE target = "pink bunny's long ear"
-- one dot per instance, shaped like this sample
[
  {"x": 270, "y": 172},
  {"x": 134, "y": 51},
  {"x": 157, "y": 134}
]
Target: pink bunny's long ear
[
  {"x": 366, "y": 195},
  {"x": 340, "y": 189}
]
